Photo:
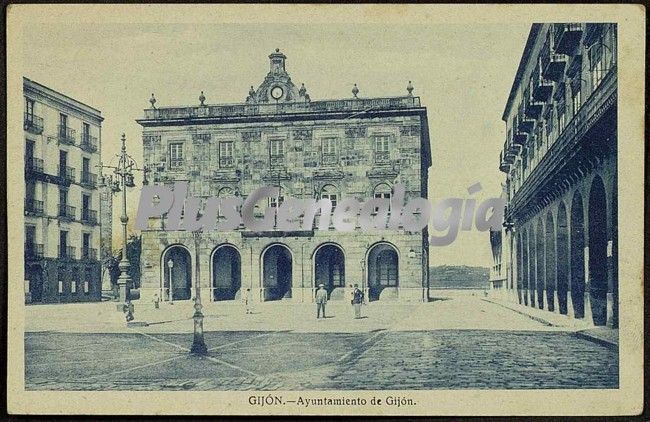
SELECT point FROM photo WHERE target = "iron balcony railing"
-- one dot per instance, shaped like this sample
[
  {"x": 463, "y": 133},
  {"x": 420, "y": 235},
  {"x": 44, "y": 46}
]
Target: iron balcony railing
[
  {"x": 89, "y": 216},
  {"x": 330, "y": 159},
  {"x": 67, "y": 211},
  {"x": 88, "y": 143},
  {"x": 88, "y": 179},
  {"x": 34, "y": 165},
  {"x": 382, "y": 156},
  {"x": 176, "y": 164},
  {"x": 566, "y": 37},
  {"x": 67, "y": 252},
  {"x": 89, "y": 254},
  {"x": 226, "y": 162},
  {"x": 66, "y": 135},
  {"x": 67, "y": 173},
  {"x": 33, "y": 250},
  {"x": 33, "y": 123},
  {"x": 33, "y": 206}
]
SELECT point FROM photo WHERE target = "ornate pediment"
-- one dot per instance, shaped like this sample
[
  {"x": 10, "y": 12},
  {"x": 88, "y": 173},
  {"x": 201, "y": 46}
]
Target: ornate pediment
[{"x": 277, "y": 85}]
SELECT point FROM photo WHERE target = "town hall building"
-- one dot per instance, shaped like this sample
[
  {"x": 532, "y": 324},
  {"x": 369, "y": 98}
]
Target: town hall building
[{"x": 311, "y": 149}]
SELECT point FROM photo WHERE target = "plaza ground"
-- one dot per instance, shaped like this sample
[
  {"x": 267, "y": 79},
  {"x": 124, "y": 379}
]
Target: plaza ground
[{"x": 457, "y": 342}]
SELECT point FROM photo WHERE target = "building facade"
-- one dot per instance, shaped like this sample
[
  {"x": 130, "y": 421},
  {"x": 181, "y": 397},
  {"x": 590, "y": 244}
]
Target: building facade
[
  {"x": 336, "y": 149},
  {"x": 62, "y": 228},
  {"x": 560, "y": 161}
]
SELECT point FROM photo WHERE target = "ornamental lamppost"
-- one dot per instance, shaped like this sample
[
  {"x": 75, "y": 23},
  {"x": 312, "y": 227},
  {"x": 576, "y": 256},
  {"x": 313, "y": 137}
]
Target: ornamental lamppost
[
  {"x": 198, "y": 343},
  {"x": 123, "y": 179}
]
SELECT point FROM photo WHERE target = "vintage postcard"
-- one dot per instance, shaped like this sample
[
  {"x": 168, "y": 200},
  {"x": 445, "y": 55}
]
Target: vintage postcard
[{"x": 325, "y": 209}]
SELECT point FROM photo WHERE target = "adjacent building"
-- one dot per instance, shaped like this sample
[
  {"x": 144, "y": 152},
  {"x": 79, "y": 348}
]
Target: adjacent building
[
  {"x": 347, "y": 148},
  {"x": 559, "y": 243},
  {"x": 62, "y": 228}
]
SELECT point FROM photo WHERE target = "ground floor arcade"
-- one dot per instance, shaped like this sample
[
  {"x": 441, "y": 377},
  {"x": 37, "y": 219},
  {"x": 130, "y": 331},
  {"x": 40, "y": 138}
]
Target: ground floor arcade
[{"x": 283, "y": 266}]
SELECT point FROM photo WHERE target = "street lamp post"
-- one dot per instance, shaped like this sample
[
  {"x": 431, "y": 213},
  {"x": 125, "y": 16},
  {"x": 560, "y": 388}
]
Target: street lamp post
[
  {"x": 123, "y": 179},
  {"x": 170, "y": 265},
  {"x": 198, "y": 343}
]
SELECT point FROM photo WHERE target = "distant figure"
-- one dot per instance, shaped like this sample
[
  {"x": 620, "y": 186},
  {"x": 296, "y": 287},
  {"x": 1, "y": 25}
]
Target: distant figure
[
  {"x": 248, "y": 301},
  {"x": 129, "y": 309},
  {"x": 321, "y": 300},
  {"x": 357, "y": 300},
  {"x": 156, "y": 301}
]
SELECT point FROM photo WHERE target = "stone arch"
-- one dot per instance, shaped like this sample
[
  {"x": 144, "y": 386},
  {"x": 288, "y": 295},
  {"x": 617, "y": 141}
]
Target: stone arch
[
  {"x": 577, "y": 255},
  {"x": 383, "y": 270},
  {"x": 541, "y": 269},
  {"x": 176, "y": 280},
  {"x": 551, "y": 263},
  {"x": 562, "y": 259},
  {"x": 597, "y": 224},
  {"x": 226, "y": 272},
  {"x": 329, "y": 269},
  {"x": 277, "y": 271}
]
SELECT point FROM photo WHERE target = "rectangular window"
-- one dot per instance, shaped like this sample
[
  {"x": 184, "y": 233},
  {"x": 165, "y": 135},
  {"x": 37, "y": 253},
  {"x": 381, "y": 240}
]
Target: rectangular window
[
  {"x": 86, "y": 130},
  {"x": 60, "y": 286},
  {"x": 382, "y": 143},
  {"x": 29, "y": 109},
  {"x": 561, "y": 115},
  {"x": 276, "y": 151},
  {"x": 226, "y": 154},
  {"x": 176, "y": 158},
  {"x": 86, "y": 286},
  {"x": 73, "y": 286},
  {"x": 329, "y": 151},
  {"x": 85, "y": 245},
  {"x": 273, "y": 202},
  {"x": 596, "y": 64},
  {"x": 63, "y": 124}
]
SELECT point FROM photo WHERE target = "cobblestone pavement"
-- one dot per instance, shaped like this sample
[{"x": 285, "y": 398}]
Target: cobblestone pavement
[{"x": 280, "y": 360}]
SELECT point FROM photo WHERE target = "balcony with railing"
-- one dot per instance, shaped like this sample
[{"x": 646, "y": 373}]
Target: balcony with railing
[
  {"x": 89, "y": 254},
  {"x": 34, "y": 165},
  {"x": 552, "y": 63},
  {"x": 262, "y": 109},
  {"x": 518, "y": 136},
  {"x": 33, "y": 207},
  {"x": 33, "y": 123},
  {"x": 542, "y": 87},
  {"x": 66, "y": 136},
  {"x": 67, "y": 252},
  {"x": 226, "y": 162},
  {"x": 67, "y": 173},
  {"x": 89, "y": 216},
  {"x": 67, "y": 211},
  {"x": 330, "y": 159},
  {"x": 88, "y": 143},
  {"x": 177, "y": 164},
  {"x": 382, "y": 157},
  {"x": 33, "y": 250},
  {"x": 88, "y": 179},
  {"x": 504, "y": 165},
  {"x": 566, "y": 37},
  {"x": 574, "y": 66},
  {"x": 526, "y": 124}
]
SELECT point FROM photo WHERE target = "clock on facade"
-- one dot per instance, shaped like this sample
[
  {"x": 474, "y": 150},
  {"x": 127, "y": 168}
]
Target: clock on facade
[{"x": 277, "y": 92}]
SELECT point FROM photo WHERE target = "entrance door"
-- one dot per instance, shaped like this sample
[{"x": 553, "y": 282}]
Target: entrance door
[{"x": 277, "y": 273}]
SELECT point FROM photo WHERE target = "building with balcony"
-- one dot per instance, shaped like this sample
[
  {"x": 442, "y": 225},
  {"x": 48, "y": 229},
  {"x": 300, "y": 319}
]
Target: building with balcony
[
  {"x": 62, "y": 228},
  {"x": 560, "y": 246},
  {"x": 335, "y": 149}
]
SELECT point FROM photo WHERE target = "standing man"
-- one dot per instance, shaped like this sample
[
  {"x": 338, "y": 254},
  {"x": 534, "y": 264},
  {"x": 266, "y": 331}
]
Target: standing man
[
  {"x": 357, "y": 300},
  {"x": 248, "y": 301},
  {"x": 321, "y": 300}
]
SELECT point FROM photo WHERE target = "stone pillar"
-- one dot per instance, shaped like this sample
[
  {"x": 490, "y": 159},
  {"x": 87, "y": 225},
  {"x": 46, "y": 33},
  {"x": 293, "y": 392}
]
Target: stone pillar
[{"x": 587, "y": 305}]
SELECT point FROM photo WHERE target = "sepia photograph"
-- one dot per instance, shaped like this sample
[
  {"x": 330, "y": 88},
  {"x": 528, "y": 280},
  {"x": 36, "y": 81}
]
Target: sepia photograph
[{"x": 327, "y": 209}]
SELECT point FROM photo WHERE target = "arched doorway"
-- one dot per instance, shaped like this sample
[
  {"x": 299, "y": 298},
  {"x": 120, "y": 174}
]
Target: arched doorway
[
  {"x": 277, "y": 271},
  {"x": 541, "y": 269},
  {"x": 177, "y": 264},
  {"x": 383, "y": 270},
  {"x": 598, "y": 251},
  {"x": 562, "y": 259},
  {"x": 551, "y": 265},
  {"x": 577, "y": 256},
  {"x": 329, "y": 269},
  {"x": 34, "y": 275},
  {"x": 226, "y": 273}
]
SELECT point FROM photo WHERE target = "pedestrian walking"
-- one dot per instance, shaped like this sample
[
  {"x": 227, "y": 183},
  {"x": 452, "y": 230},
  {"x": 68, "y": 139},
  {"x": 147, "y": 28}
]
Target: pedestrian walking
[
  {"x": 321, "y": 300},
  {"x": 357, "y": 300},
  {"x": 156, "y": 301},
  {"x": 248, "y": 301}
]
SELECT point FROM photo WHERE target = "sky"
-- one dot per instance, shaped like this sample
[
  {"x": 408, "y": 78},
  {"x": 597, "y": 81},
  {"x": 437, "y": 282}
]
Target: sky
[{"x": 462, "y": 73}]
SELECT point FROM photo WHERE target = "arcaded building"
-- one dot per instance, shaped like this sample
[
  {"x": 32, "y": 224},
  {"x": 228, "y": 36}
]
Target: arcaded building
[
  {"x": 560, "y": 161},
  {"x": 62, "y": 200},
  {"x": 347, "y": 148}
]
